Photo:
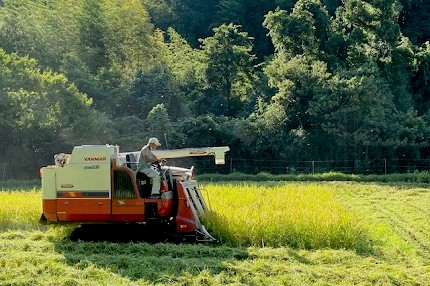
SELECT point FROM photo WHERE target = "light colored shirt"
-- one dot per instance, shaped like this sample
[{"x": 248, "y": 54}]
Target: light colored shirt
[{"x": 145, "y": 152}]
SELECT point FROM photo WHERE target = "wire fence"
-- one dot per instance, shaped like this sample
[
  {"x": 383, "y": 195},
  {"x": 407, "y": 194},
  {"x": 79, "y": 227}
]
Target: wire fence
[
  {"x": 380, "y": 166},
  {"x": 21, "y": 170}
]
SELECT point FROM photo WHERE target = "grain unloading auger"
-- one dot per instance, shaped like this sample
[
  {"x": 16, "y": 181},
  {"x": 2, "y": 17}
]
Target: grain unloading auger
[{"x": 98, "y": 184}]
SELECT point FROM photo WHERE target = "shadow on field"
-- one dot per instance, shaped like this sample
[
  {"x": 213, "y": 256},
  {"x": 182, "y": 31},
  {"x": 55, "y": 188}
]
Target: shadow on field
[
  {"x": 403, "y": 185},
  {"x": 133, "y": 254},
  {"x": 119, "y": 233}
]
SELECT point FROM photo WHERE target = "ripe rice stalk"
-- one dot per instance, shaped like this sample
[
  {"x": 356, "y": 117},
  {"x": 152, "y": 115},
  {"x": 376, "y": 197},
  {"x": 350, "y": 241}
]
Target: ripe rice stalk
[
  {"x": 297, "y": 215},
  {"x": 20, "y": 210}
]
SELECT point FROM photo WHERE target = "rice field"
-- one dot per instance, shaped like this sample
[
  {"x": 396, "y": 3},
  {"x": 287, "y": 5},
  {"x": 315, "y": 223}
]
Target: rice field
[
  {"x": 20, "y": 209},
  {"x": 298, "y": 215},
  {"x": 295, "y": 233}
]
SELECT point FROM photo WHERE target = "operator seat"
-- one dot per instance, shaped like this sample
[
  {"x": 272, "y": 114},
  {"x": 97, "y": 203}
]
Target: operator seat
[
  {"x": 131, "y": 161},
  {"x": 144, "y": 185},
  {"x": 142, "y": 180}
]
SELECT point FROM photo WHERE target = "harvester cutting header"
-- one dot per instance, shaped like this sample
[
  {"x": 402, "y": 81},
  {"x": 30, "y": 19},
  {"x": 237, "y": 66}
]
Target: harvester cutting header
[{"x": 99, "y": 184}]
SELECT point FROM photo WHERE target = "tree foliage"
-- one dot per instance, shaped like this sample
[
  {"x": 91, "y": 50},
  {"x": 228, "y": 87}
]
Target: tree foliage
[
  {"x": 229, "y": 65},
  {"x": 413, "y": 20},
  {"x": 284, "y": 79},
  {"x": 41, "y": 106},
  {"x": 45, "y": 30},
  {"x": 303, "y": 31}
]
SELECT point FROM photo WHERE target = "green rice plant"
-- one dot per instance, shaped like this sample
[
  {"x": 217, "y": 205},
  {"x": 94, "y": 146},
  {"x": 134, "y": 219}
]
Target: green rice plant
[
  {"x": 297, "y": 215},
  {"x": 396, "y": 220},
  {"x": 20, "y": 209}
]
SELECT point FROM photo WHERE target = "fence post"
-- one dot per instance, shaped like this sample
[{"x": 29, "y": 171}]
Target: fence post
[
  {"x": 4, "y": 171},
  {"x": 385, "y": 166},
  {"x": 313, "y": 167},
  {"x": 231, "y": 165}
]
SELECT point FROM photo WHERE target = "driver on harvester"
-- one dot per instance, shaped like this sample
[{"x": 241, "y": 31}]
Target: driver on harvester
[{"x": 147, "y": 158}]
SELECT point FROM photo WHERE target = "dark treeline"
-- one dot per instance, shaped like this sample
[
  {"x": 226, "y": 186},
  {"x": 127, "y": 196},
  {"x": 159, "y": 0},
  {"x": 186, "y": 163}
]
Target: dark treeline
[{"x": 284, "y": 79}]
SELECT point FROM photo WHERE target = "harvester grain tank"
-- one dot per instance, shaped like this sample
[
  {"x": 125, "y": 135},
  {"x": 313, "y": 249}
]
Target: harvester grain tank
[{"x": 99, "y": 184}]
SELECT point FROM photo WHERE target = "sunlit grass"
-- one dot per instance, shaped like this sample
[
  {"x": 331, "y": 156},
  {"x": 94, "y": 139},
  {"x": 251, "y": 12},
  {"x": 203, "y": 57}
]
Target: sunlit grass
[
  {"x": 396, "y": 221},
  {"x": 297, "y": 215},
  {"x": 20, "y": 210}
]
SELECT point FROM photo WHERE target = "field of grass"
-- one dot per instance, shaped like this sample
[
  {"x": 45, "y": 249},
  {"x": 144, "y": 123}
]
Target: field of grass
[
  {"x": 271, "y": 235},
  {"x": 298, "y": 215}
]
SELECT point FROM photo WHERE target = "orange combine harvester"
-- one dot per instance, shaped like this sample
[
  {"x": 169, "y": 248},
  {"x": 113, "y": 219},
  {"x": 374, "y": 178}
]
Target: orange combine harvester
[{"x": 98, "y": 184}]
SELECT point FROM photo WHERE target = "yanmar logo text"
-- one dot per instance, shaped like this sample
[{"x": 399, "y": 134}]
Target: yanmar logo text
[
  {"x": 197, "y": 152},
  {"x": 94, "y": 159}
]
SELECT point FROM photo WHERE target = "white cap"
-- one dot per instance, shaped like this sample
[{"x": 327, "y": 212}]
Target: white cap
[{"x": 154, "y": 140}]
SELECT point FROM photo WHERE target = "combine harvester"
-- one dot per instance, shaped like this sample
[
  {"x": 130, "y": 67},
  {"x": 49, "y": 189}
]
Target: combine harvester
[{"x": 98, "y": 184}]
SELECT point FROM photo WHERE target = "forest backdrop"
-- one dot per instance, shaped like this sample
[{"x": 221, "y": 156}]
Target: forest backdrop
[{"x": 274, "y": 80}]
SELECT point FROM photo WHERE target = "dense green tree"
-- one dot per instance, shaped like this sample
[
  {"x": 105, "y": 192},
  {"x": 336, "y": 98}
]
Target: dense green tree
[
  {"x": 158, "y": 124},
  {"x": 354, "y": 86},
  {"x": 250, "y": 14},
  {"x": 411, "y": 136},
  {"x": 295, "y": 71},
  {"x": 187, "y": 68},
  {"x": 421, "y": 79},
  {"x": 229, "y": 70},
  {"x": 263, "y": 133},
  {"x": 185, "y": 62},
  {"x": 92, "y": 46},
  {"x": 115, "y": 40},
  {"x": 128, "y": 35},
  {"x": 113, "y": 33},
  {"x": 369, "y": 29},
  {"x": 231, "y": 11},
  {"x": 208, "y": 130},
  {"x": 151, "y": 87},
  {"x": 44, "y": 30},
  {"x": 98, "y": 44},
  {"x": 303, "y": 31},
  {"x": 41, "y": 106},
  {"x": 130, "y": 132},
  {"x": 357, "y": 112},
  {"x": 367, "y": 33},
  {"x": 192, "y": 19},
  {"x": 358, "y": 116},
  {"x": 414, "y": 20},
  {"x": 162, "y": 13},
  {"x": 398, "y": 73},
  {"x": 304, "y": 84},
  {"x": 298, "y": 81},
  {"x": 331, "y": 5}
]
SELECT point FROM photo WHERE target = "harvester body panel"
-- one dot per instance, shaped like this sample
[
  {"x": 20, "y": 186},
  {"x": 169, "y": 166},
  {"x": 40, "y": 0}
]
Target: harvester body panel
[
  {"x": 49, "y": 194},
  {"x": 83, "y": 185},
  {"x": 96, "y": 184},
  {"x": 127, "y": 206}
]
